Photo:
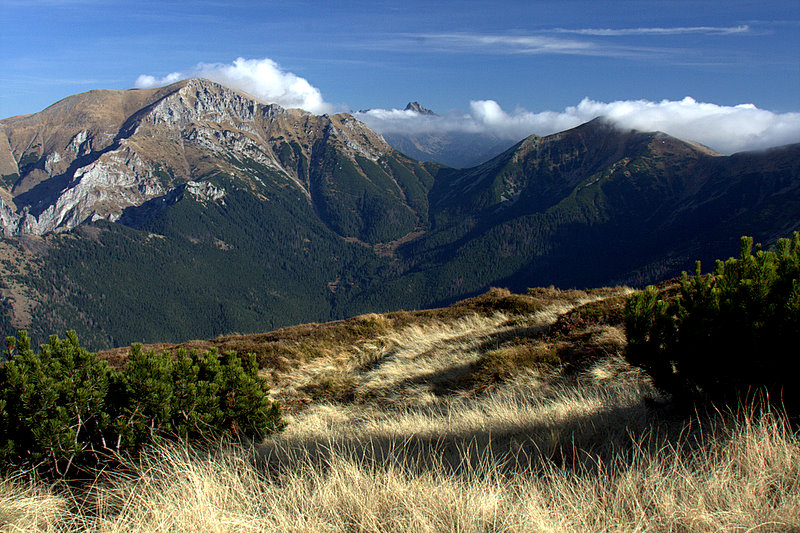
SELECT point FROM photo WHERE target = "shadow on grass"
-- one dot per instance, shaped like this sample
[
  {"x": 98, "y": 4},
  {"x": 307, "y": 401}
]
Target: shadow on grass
[{"x": 576, "y": 442}]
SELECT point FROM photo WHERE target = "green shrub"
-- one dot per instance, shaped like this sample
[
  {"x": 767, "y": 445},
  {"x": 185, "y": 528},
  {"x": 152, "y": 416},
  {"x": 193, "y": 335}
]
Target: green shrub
[
  {"x": 63, "y": 409},
  {"x": 192, "y": 396},
  {"x": 53, "y": 403},
  {"x": 727, "y": 334}
]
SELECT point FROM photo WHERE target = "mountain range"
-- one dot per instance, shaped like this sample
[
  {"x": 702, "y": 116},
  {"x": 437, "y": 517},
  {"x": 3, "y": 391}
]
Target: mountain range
[{"x": 194, "y": 210}]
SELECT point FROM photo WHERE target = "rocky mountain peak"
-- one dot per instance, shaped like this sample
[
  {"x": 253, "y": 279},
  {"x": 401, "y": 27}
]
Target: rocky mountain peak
[
  {"x": 417, "y": 108},
  {"x": 93, "y": 155}
]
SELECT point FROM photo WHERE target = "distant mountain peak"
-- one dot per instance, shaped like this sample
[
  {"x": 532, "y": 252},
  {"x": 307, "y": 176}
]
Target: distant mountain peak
[{"x": 417, "y": 108}]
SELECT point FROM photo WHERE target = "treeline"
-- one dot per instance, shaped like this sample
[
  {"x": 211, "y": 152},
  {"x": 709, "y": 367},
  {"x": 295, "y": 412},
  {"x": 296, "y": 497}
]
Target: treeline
[{"x": 264, "y": 257}]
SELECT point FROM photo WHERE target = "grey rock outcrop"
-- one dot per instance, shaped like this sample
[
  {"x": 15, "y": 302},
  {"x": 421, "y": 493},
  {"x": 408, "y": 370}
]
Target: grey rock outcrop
[{"x": 94, "y": 155}]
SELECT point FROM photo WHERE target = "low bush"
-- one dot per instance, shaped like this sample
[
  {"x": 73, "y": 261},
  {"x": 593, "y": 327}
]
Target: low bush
[
  {"x": 63, "y": 409},
  {"x": 727, "y": 334}
]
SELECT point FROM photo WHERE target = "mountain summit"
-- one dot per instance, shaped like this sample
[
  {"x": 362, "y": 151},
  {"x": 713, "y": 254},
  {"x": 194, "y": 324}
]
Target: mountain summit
[
  {"x": 95, "y": 155},
  {"x": 414, "y": 106}
]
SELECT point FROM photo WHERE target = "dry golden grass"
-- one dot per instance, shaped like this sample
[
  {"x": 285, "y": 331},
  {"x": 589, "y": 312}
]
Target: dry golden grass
[
  {"x": 281, "y": 351},
  {"x": 410, "y": 444},
  {"x": 28, "y": 507},
  {"x": 427, "y": 353},
  {"x": 735, "y": 476}
]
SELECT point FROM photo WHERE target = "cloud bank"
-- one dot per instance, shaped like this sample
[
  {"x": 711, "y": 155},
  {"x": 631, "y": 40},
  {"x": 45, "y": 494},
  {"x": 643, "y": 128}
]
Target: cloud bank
[
  {"x": 262, "y": 78},
  {"x": 726, "y": 129}
]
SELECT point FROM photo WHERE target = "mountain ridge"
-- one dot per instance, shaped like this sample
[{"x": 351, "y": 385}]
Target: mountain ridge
[
  {"x": 158, "y": 141},
  {"x": 206, "y": 212}
]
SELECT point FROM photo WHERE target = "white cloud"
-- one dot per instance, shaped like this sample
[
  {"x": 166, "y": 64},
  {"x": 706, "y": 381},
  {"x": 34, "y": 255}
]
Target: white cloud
[
  {"x": 145, "y": 81},
  {"x": 726, "y": 129},
  {"x": 262, "y": 78},
  {"x": 528, "y": 44},
  {"x": 581, "y": 42},
  {"x": 609, "y": 32}
]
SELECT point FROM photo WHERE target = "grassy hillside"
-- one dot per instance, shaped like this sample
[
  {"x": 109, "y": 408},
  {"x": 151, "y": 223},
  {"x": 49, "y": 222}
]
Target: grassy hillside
[{"x": 506, "y": 412}]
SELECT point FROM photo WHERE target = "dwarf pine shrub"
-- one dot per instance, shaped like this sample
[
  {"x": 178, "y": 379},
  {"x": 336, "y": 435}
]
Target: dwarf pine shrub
[
  {"x": 727, "y": 334},
  {"x": 63, "y": 409}
]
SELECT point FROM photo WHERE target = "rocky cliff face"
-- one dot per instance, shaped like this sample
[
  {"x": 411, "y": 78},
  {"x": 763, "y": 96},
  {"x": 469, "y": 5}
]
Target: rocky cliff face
[{"x": 93, "y": 155}]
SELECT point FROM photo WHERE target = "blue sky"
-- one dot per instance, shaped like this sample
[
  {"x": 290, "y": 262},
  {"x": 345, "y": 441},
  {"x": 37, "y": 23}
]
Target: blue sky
[{"x": 523, "y": 55}]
